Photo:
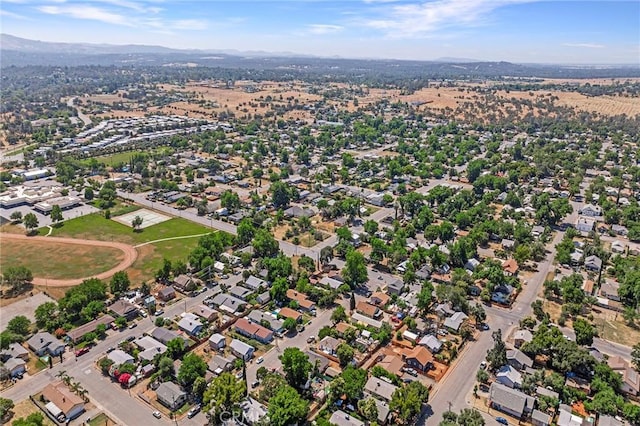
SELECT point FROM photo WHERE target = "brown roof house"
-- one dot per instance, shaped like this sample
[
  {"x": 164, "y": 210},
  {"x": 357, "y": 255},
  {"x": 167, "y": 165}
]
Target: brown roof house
[
  {"x": 419, "y": 358},
  {"x": 366, "y": 309},
  {"x": 61, "y": 402}
]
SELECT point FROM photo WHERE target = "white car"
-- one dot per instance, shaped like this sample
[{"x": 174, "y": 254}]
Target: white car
[{"x": 260, "y": 360}]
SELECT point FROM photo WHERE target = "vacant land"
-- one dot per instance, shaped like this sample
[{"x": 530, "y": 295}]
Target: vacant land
[
  {"x": 150, "y": 257},
  {"x": 118, "y": 158},
  {"x": 59, "y": 261},
  {"x": 25, "y": 407}
]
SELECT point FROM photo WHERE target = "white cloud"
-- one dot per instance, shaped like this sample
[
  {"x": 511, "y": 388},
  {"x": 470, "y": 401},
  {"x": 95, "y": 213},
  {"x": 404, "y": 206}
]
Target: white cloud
[
  {"x": 320, "y": 29},
  {"x": 124, "y": 13},
  {"x": 585, "y": 45},
  {"x": 426, "y": 18},
  {"x": 8, "y": 14},
  {"x": 87, "y": 12}
]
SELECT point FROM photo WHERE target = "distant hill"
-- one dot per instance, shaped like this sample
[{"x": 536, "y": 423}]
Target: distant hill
[
  {"x": 23, "y": 45},
  {"x": 16, "y": 51}
]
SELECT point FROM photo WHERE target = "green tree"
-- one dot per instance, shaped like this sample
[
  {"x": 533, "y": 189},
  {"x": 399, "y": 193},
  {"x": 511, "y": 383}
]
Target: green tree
[
  {"x": 368, "y": 408},
  {"x": 199, "y": 387},
  {"x": 497, "y": 355},
  {"x": 245, "y": 231},
  {"x": 425, "y": 296},
  {"x": 175, "y": 348},
  {"x": 230, "y": 200},
  {"x": 635, "y": 356},
  {"x": 584, "y": 332},
  {"x": 16, "y": 217},
  {"x": 191, "y": 368},
  {"x": 56, "y": 214},
  {"x": 33, "y": 419},
  {"x": 345, "y": 354},
  {"x": 286, "y": 407},
  {"x": 278, "y": 290},
  {"x": 264, "y": 245},
  {"x": 88, "y": 194},
  {"x": 136, "y": 223},
  {"x": 305, "y": 262},
  {"x": 166, "y": 370},
  {"x": 6, "y": 405},
  {"x": 478, "y": 314},
  {"x": 119, "y": 283},
  {"x": 17, "y": 277},
  {"x": 121, "y": 322},
  {"x": 289, "y": 324},
  {"x": 350, "y": 383},
  {"x": 19, "y": 325},
  {"x": 296, "y": 366},
  {"x": 224, "y": 394},
  {"x": 482, "y": 376},
  {"x": 46, "y": 314},
  {"x": 407, "y": 401},
  {"x": 280, "y": 194},
  {"x": 30, "y": 222},
  {"x": 354, "y": 272},
  {"x": 338, "y": 314}
]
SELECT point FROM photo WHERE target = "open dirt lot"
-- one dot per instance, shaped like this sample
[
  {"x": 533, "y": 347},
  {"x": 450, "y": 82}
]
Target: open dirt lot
[{"x": 92, "y": 253}]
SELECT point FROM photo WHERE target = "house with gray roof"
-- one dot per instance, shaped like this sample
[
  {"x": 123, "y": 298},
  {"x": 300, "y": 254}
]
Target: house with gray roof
[
  {"x": 150, "y": 347},
  {"x": 509, "y": 376},
  {"x": 240, "y": 292},
  {"x": 228, "y": 303},
  {"x": 217, "y": 341},
  {"x": 171, "y": 395},
  {"x": 45, "y": 343},
  {"x": 538, "y": 418},
  {"x": 264, "y": 318},
  {"x": 510, "y": 401},
  {"x": 15, "y": 366},
  {"x": 120, "y": 357},
  {"x": 432, "y": 343},
  {"x": 163, "y": 335},
  {"x": 241, "y": 349},
  {"x": 455, "y": 321},
  {"x": 190, "y": 324},
  {"x": 219, "y": 364},
  {"x": 518, "y": 360},
  {"x": 380, "y": 389},
  {"x": 15, "y": 350},
  {"x": 340, "y": 418},
  {"x": 255, "y": 283},
  {"x": 593, "y": 263}
]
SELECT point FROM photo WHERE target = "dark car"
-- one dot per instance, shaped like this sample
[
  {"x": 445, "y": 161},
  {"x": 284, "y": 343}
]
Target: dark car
[{"x": 502, "y": 420}]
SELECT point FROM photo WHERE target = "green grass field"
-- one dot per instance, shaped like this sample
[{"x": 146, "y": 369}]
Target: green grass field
[
  {"x": 120, "y": 157},
  {"x": 150, "y": 257}
]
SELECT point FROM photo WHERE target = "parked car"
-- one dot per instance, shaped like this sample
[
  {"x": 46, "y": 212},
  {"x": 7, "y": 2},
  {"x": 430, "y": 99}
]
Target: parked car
[
  {"x": 442, "y": 332},
  {"x": 502, "y": 420},
  {"x": 111, "y": 349},
  {"x": 255, "y": 384},
  {"x": 131, "y": 338},
  {"x": 260, "y": 360},
  {"x": 194, "y": 410},
  {"x": 483, "y": 364},
  {"x": 82, "y": 351},
  {"x": 158, "y": 313},
  {"x": 157, "y": 414},
  {"x": 311, "y": 339},
  {"x": 484, "y": 326},
  {"x": 132, "y": 325}
]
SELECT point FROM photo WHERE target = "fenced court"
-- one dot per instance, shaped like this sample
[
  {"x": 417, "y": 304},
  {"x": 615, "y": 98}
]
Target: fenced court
[{"x": 149, "y": 218}]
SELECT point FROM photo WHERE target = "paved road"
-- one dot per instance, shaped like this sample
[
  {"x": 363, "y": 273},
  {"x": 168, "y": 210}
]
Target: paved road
[
  {"x": 86, "y": 120},
  {"x": 457, "y": 386},
  {"x": 26, "y": 307},
  {"x": 109, "y": 396}
]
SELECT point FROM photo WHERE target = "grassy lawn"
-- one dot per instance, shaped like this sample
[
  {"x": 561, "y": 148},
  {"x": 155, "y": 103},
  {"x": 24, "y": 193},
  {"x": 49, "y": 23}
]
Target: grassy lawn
[
  {"x": 101, "y": 420},
  {"x": 120, "y": 157},
  {"x": 59, "y": 261},
  {"x": 150, "y": 257}
]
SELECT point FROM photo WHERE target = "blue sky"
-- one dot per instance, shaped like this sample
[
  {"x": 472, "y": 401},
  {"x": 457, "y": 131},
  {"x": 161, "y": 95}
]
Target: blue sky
[{"x": 578, "y": 32}]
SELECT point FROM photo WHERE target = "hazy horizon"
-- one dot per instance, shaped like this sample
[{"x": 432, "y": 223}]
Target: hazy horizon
[{"x": 522, "y": 31}]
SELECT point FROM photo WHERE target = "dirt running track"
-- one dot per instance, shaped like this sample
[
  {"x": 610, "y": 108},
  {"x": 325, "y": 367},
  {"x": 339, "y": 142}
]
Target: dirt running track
[{"x": 130, "y": 256}]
